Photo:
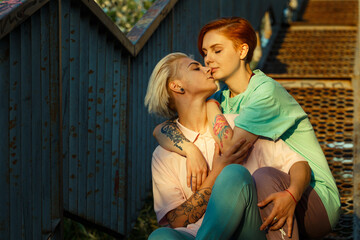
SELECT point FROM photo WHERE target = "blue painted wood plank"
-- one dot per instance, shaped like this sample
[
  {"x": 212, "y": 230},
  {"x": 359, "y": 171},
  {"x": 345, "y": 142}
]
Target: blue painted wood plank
[
  {"x": 36, "y": 124},
  {"x": 100, "y": 120},
  {"x": 26, "y": 160},
  {"x": 108, "y": 178},
  {"x": 65, "y": 56},
  {"x": 226, "y": 8},
  {"x": 115, "y": 196},
  {"x": 132, "y": 164},
  {"x": 54, "y": 117},
  {"x": 124, "y": 138},
  {"x": 16, "y": 197},
  {"x": 136, "y": 174},
  {"x": 4, "y": 136},
  {"x": 208, "y": 14},
  {"x": 45, "y": 125},
  {"x": 83, "y": 113},
  {"x": 92, "y": 102},
  {"x": 74, "y": 107}
]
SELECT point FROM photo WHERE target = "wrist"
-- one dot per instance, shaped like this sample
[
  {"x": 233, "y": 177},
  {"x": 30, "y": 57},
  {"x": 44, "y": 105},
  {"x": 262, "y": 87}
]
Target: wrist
[
  {"x": 293, "y": 194},
  {"x": 190, "y": 148}
]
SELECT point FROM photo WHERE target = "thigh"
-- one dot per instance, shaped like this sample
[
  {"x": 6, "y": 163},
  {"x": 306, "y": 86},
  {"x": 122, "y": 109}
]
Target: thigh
[
  {"x": 165, "y": 233},
  {"x": 311, "y": 215}
]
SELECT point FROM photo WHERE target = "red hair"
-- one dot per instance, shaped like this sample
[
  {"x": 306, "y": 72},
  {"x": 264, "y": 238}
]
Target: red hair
[{"x": 237, "y": 29}]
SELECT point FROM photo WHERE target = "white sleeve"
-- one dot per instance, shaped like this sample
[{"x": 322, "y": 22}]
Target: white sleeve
[
  {"x": 286, "y": 156},
  {"x": 166, "y": 186}
]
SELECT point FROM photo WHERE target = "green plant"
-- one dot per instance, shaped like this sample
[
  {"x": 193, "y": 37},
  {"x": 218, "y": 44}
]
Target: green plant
[{"x": 125, "y": 13}]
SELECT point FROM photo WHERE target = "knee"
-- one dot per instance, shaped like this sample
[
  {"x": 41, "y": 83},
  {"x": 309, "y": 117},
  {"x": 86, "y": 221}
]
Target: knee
[
  {"x": 236, "y": 174},
  {"x": 160, "y": 233}
]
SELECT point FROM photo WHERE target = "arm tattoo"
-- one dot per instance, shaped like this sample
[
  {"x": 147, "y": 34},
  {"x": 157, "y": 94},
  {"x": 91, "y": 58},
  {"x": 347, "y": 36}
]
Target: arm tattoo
[
  {"x": 221, "y": 128},
  {"x": 171, "y": 130},
  {"x": 191, "y": 210}
]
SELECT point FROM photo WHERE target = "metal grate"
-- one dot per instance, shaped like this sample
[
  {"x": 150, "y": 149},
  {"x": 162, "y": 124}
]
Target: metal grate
[
  {"x": 326, "y": 52},
  {"x": 339, "y": 12},
  {"x": 331, "y": 113}
]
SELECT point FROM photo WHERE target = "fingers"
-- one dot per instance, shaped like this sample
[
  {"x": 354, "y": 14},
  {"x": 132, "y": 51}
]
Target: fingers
[
  {"x": 289, "y": 222},
  {"x": 268, "y": 221},
  {"x": 234, "y": 148},
  {"x": 217, "y": 150},
  {"x": 193, "y": 184},
  {"x": 266, "y": 201},
  {"x": 198, "y": 181},
  {"x": 188, "y": 176},
  {"x": 277, "y": 224},
  {"x": 240, "y": 155},
  {"x": 204, "y": 175}
]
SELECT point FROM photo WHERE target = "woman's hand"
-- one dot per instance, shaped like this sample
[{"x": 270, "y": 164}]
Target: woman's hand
[
  {"x": 196, "y": 167},
  {"x": 235, "y": 155},
  {"x": 282, "y": 212}
]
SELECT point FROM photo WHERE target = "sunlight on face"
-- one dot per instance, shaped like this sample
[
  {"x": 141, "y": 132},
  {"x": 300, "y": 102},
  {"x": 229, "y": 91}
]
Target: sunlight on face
[
  {"x": 220, "y": 55},
  {"x": 196, "y": 79}
]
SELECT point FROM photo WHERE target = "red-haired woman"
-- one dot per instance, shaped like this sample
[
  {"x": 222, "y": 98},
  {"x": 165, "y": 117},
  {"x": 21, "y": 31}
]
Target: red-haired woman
[{"x": 305, "y": 200}]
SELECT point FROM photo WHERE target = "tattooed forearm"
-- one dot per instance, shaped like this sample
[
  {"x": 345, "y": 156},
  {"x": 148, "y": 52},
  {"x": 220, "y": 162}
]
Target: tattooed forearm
[
  {"x": 171, "y": 130},
  {"x": 221, "y": 128},
  {"x": 191, "y": 210}
]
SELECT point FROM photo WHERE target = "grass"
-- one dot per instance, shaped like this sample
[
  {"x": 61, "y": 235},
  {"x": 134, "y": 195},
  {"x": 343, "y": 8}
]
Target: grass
[{"x": 145, "y": 224}]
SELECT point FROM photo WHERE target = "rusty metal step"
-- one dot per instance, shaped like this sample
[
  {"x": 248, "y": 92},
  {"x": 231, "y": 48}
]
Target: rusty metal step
[
  {"x": 333, "y": 12},
  {"x": 330, "y": 107},
  {"x": 312, "y": 52}
]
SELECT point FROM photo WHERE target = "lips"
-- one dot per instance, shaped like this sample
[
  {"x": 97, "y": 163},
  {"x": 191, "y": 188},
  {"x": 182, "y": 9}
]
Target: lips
[{"x": 214, "y": 70}]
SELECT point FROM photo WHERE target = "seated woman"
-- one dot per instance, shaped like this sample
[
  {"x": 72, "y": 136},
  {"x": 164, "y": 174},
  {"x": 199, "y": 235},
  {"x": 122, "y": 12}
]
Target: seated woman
[
  {"x": 227, "y": 197},
  {"x": 265, "y": 110}
]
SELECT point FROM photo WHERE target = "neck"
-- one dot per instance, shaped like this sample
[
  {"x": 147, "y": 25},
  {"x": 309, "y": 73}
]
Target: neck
[
  {"x": 239, "y": 80},
  {"x": 192, "y": 113}
]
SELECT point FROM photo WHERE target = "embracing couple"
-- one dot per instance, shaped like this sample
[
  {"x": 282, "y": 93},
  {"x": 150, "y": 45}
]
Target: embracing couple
[{"x": 239, "y": 163}]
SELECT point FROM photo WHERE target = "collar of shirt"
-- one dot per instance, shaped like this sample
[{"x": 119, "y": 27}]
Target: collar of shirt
[{"x": 190, "y": 134}]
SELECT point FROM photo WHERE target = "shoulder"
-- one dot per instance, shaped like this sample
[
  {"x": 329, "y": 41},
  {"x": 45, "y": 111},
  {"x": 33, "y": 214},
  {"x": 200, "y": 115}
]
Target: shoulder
[
  {"x": 262, "y": 82},
  {"x": 161, "y": 156},
  {"x": 264, "y": 86}
]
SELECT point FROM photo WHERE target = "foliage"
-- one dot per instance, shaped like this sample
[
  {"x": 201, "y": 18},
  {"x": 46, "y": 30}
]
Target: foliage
[
  {"x": 145, "y": 224},
  {"x": 76, "y": 231},
  {"x": 125, "y": 13}
]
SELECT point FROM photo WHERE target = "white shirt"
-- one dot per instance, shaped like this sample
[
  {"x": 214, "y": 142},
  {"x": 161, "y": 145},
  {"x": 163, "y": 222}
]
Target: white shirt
[{"x": 170, "y": 188}]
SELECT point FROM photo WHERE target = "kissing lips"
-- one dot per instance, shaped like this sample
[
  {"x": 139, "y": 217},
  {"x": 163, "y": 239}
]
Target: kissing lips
[{"x": 214, "y": 70}]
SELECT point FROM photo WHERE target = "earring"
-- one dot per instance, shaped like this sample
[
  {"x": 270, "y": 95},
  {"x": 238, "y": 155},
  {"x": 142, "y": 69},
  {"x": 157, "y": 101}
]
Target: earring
[{"x": 182, "y": 90}]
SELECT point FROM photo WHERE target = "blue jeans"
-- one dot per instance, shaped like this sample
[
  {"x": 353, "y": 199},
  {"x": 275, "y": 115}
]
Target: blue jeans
[{"x": 232, "y": 211}]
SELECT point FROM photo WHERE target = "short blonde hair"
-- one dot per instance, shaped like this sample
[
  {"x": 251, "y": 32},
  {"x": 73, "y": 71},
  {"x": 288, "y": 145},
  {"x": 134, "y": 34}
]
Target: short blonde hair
[{"x": 158, "y": 99}]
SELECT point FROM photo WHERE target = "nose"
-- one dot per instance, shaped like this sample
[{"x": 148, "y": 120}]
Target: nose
[
  {"x": 206, "y": 69},
  {"x": 208, "y": 59}
]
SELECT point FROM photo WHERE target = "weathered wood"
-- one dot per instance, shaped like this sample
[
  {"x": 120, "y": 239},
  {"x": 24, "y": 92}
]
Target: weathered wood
[
  {"x": 14, "y": 13},
  {"x": 356, "y": 86}
]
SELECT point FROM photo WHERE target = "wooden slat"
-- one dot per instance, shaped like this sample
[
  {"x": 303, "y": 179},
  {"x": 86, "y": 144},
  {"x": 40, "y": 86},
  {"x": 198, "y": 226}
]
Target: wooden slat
[
  {"x": 108, "y": 98},
  {"x": 92, "y": 128},
  {"x": 4, "y": 136},
  {"x": 100, "y": 120},
  {"x": 45, "y": 123},
  {"x": 15, "y": 137},
  {"x": 36, "y": 128},
  {"x": 74, "y": 79},
  {"x": 83, "y": 113},
  {"x": 25, "y": 123}
]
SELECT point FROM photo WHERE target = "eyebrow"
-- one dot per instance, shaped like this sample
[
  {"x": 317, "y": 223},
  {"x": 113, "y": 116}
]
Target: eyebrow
[
  {"x": 214, "y": 45},
  {"x": 196, "y": 63}
]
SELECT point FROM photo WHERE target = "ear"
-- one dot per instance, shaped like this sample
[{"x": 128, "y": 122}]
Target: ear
[
  {"x": 244, "y": 49},
  {"x": 176, "y": 86}
]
